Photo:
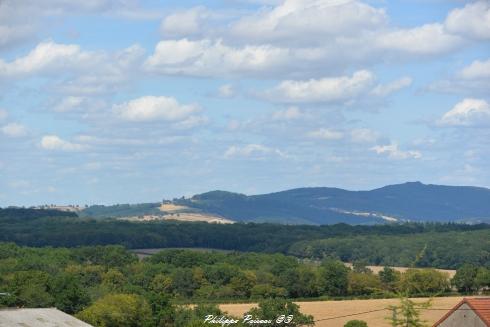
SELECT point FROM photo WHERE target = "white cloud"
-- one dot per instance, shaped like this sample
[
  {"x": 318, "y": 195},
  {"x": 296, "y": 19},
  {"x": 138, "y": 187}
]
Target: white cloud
[
  {"x": 469, "y": 112},
  {"x": 291, "y": 113},
  {"x": 430, "y": 39},
  {"x": 308, "y": 21},
  {"x": 47, "y": 57},
  {"x": 252, "y": 151},
  {"x": 477, "y": 70},
  {"x": 10, "y": 35},
  {"x": 387, "y": 89},
  {"x": 14, "y": 130},
  {"x": 153, "y": 108},
  {"x": 68, "y": 104},
  {"x": 326, "y": 134},
  {"x": 471, "y": 21},
  {"x": 363, "y": 135},
  {"x": 226, "y": 91},
  {"x": 208, "y": 58},
  {"x": 392, "y": 151},
  {"x": 472, "y": 80},
  {"x": 55, "y": 143},
  {"x": 191, "y": 122},
  {"x": 326, "y": 90},
  {"x": 315, "y": 37},
  {"x": 184, "y": 22}
]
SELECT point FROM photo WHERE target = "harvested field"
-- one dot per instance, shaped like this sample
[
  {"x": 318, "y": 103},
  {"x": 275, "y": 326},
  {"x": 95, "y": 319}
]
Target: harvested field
[
  {"x": 330, "y": 309},
  {"x": 377, "y": 269},
  {"x": 198, "y": 217},
  {"x": 169, "y": 207}
]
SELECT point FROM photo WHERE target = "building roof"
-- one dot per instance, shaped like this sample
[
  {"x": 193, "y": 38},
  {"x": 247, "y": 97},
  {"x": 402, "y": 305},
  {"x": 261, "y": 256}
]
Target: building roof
[
  {"x": 481, "y": 306},
  {"x": 50, "y": 317}
]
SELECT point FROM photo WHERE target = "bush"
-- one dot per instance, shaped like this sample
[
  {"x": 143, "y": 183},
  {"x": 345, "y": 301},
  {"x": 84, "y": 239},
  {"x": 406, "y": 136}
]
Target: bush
[{"x": 356, "y": 323}]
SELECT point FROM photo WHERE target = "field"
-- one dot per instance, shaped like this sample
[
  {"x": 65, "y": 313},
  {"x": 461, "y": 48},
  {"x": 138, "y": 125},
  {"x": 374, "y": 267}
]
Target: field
[
  {"x": 372, "y": 310},
  {"x": 377, "y": 269}
]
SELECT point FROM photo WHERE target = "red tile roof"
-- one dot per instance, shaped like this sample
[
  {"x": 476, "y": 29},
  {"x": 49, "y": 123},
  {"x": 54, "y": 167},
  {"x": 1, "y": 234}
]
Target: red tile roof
[{"x": 481, "y": 306}]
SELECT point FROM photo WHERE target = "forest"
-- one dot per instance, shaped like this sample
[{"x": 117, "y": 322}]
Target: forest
[
  {"x": 100, "y": 284},
  {"x": 445, "y": 245}
]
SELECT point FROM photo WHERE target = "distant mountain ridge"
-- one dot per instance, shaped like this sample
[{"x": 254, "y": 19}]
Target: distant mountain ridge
[{"x": 412, "y": 201}]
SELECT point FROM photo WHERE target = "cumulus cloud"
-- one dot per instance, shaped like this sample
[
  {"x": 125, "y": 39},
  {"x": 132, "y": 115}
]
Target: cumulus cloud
[
  {"x": 326, "y": 90},
  {"x": 364, "y": 135},
  {"x": 213, "y": 58},
  {"x": 14, "y": 130},
  {"x": 226, "y": 91},
  {"x": 430, "y": 39},
  {"x": 477, "y": 70},
  {"x": 473, "y": 20},
  {"x": 291, "y": 113},
  {"x": 154, "y": 108},
  {"x": 474, "y": 79},
  {"x": 392, "y": 151},
  {"x": 47, "y": 57},
  {"x": 10, "y": 35},
  {"x": 340, "y": 89},
  {"x": 387, "y": 89},
  {"x": 313, "y": 35},
  {"x": 256, "y": 151},
  {"x": 55, "y": 143},
  {"x": 184, "y": 22},
  {"x": 326, "y": 134},
  {"x": 68, "y": 104},
  {"x": 467, "y": 113},
  {"x": 308, "y": 21}
]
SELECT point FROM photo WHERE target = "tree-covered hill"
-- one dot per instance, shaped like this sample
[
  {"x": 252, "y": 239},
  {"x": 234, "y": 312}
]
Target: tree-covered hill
[{"x": 323, "y": 205}]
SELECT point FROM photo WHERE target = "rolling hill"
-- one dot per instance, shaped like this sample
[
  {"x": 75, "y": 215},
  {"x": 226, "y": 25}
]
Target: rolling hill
[{"x": 412, "y": 201}]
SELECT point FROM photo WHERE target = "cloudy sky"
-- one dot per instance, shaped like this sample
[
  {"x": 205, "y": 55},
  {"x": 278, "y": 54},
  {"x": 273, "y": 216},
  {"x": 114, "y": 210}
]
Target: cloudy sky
[{"x": 115, "y": 101}]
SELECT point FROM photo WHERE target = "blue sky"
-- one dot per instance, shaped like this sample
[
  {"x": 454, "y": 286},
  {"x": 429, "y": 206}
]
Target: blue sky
[{"x": 116, "y": 101}]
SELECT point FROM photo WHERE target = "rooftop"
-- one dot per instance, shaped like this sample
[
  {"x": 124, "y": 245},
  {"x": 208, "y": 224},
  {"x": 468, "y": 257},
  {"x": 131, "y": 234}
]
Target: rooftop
[{"x": 50, "y": 317}]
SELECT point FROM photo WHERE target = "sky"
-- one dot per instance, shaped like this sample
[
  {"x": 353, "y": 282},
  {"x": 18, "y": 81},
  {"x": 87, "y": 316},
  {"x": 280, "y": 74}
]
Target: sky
[{"x": 127, "y": 101}]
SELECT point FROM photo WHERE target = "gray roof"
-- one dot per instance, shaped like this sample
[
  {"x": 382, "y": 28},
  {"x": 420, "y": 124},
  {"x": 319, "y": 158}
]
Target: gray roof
[{"x": 51, "y": 317}]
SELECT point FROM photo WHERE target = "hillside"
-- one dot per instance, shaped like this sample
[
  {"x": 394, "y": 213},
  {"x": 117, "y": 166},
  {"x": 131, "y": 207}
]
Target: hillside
[
  {"x": 404, "y": 202},
  {"x": 411, "y": 201}
]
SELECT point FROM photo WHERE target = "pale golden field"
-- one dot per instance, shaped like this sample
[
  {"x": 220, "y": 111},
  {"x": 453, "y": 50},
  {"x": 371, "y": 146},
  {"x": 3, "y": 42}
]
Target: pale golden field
[
  {"x": 327, "y": 309},
  {"x": 377, "y": 269}
]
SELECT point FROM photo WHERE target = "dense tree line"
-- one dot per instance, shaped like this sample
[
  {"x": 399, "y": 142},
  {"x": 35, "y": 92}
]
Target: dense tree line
[
  {"x": 446, "y": 245},
  {"x": 104, "y": 283},
  {"x": 442, "y": 250}
]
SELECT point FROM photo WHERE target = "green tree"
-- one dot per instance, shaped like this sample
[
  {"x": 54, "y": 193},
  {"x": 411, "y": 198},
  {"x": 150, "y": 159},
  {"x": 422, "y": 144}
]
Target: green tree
[
  {"x": 333, "y": 278},
  {"x": 163, "y": 311},
  {"x": 482, "y": 278},
  {"x": 118, "y": 310},
  {"x": 464, "y": 279},
  {"x": 186, "y": 317},
  {"x": 407, "y": 313},
  {"x": 69, "y": 294},
  {"x": 243, "y": 283},
  {"x": 361, "y": 283},
  {"x": 360, "y": 266},
  {"x": 356, "y": 323},
  {"x": 113, "y": 280},
  {"x": 388, "y": 275},
  {"x": 424, "y": 281},
  {"x": 183, "y": 282},
  {"x": 161, "y": 284},
  {"x": 29, "y": 289},
  {"x": 265, "y": 291},
  {"x": 274, "y": 309}
]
